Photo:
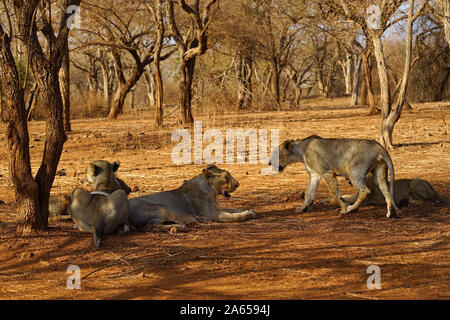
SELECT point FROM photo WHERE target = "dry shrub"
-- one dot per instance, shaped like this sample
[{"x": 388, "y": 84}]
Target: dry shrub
[{"x": 88, "y": 105}]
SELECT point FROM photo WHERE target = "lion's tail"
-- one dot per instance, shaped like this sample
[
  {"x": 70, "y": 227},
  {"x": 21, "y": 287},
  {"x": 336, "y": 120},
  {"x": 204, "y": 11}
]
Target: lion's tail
[{"x": 387, "y": 158}]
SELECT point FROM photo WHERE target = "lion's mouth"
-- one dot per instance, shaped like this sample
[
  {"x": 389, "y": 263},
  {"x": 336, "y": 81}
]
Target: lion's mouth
[{"x": 226, "y": 194}]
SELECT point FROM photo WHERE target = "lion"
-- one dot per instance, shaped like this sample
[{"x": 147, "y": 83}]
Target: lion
[
  {"x": 59, "y": 205},
  {"x": 194, "y": 201},
  {"x": 406, "y": 191},
  {"x": 106, "y": 209},
  {"x": 327, "y": 158}
]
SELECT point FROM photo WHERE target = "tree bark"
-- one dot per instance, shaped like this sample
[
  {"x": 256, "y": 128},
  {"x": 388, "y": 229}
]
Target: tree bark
[
  {"x": 25, "y": 188},
  {"x": 389, "y": 119},
  {"x": 157, "y": 59},
  {"x": 185, "y": 88},
  {"x": 368, "y": 81},
  {"x": 356, "y": 80},
  {"x": 65, "y": 87}
]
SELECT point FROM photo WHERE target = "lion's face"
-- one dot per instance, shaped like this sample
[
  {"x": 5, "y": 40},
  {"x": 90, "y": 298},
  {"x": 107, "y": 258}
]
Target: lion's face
[
  {"x": 284, "y": 153},
  {"x": 222, "y": 181}
]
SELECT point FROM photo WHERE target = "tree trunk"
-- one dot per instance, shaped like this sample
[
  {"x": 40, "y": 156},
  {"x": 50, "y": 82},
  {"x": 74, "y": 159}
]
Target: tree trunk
[
  {"x": 347, "y": 72},
  {"x": 239, "y": 82},
  {"x": 32, "y": 102},
  {"x": 65, "y": 87},
  {"x": 444, "y": 15},
  {"x": 107, "y": 80},
  {"x": 248, "y": 85},
  {"x": 26, "y": 189},
  {"x": 150, "y": 85},
  {"x": 2, "y": 106},
  {"x": 368, "y": 81},
  {"x": 356, "y": 79},
  {"x": 390, "y": 118},
  {"x": 187, "y": 74},
  {"x": 122, "y": 92},
  {"x": 157, "y": 60},
  {"x": 54, "y": 139},
  {"x": 275, "y": 80}
]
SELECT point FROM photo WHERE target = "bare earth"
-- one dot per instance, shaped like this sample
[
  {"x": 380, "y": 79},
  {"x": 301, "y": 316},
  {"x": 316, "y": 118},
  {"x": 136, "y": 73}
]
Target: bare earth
[{"x": 280, "y": 255}]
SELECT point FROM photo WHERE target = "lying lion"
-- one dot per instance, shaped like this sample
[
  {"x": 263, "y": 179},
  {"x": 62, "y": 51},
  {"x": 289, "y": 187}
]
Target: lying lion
[
  {"x": 59, "y": 205},
  {"x": 194, "y": 200},
  {"x": 406, "y": 191},
  {"x": 106, "y": 209}
]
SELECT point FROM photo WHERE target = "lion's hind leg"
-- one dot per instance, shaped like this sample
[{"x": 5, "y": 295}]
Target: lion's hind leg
[
  {"x": 335, "y": 195},
  {"x": 359, "y": 181},
  {"x": 381, "y": 176}
]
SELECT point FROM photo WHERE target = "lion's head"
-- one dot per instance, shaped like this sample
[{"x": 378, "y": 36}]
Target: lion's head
[
  {"x": 283, "y": 154},
  {"x": 222, "y": 181},
  {"x": 103, "y": 175}
]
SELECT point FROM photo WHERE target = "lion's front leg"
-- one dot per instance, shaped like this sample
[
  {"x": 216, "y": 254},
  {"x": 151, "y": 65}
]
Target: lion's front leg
[{"x": 235, "y": 215}]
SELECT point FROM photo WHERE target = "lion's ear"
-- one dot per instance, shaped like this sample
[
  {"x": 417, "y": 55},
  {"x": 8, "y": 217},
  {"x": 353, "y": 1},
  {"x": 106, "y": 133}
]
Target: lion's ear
[
  {"x": 287, "y": 145},
  {"x": 115, "y": 165},
  {"x": 207, "y": 174},
  {"x": 93, "y": 170}
]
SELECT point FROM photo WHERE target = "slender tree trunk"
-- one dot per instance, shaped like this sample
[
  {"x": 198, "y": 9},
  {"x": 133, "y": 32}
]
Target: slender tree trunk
[
  {"x": 390, "y": 119},
  {"x": 239, "y": 82},
  {"x": 275, "y": 80},
  {"x": 157, "y": 60},
  {"x": 107, "y": 80},
  {"x": 368, "y": 82},
  {"x": 2, "y": 106},
  {"x": 32, "y": 102},
  {"x": 356, "y": 80},
  {"x": 65, "y": 88},
  {"x": 150, "y": 85},
  {"x": 248, "y": 84},
  {"x": 347, "y": 72}
]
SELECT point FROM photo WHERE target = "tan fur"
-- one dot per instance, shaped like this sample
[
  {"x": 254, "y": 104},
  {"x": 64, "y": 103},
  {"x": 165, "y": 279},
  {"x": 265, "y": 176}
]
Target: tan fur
[
  {"x": 107, "y": 181},
  {"x": 406, "y": 191},
  {"x": 328, "y": 158},
  {"x": 194, "y": 200},
  {"x": 106, "y": 209}
]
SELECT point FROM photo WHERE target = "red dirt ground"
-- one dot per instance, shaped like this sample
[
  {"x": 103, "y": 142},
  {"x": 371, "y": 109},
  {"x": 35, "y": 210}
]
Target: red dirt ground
[{"x": 280, "y": 255}]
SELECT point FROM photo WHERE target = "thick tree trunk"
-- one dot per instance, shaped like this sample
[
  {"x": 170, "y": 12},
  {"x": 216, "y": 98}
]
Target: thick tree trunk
[
  {"x": 54, "y": 139},
  {"x": 187, "y": 75},
  {"x": 26, "y": 189},
  {"x": 122, "y": 92}
]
